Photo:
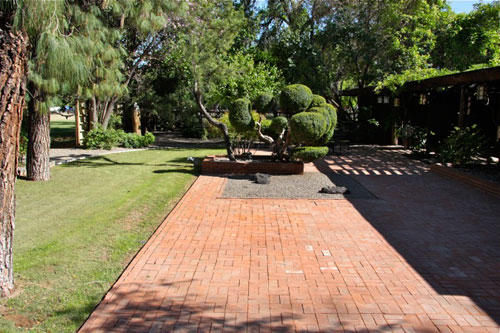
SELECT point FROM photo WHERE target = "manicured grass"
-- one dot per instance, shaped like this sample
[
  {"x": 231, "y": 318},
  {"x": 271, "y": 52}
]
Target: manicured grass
[
  {"x": 62, "y": 131},
  {"x": 75, "y": 234}
]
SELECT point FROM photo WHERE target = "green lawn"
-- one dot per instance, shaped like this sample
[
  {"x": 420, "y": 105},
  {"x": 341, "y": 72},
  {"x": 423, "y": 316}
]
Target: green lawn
[
  {"x": 75, "y": 234},
  {"x": 62, "y": 132}
]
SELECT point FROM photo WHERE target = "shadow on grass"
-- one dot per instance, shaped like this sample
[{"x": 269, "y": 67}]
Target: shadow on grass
[{"x": 449, "y": 233}]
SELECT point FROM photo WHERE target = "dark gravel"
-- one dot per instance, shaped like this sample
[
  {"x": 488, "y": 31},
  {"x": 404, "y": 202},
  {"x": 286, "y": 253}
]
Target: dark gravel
[{"x": 305, "y": 186}]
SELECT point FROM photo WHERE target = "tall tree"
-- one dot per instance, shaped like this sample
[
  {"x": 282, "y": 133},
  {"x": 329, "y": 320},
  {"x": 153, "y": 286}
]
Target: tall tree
[
  {"x": 55, "y": 67},
  {"x": 467, "y": 40},
  {"x": 205, "y": 40},
  {"x": 13, "y": 67},
  {"x": 136, "y": 33}
]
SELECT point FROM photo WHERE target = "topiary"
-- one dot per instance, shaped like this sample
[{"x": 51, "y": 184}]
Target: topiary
[
  {"x": 240, "y": 116},
  {"x": 278, "y": 124},
  {"x": 317, "y": 101},
  {"x": 308, "y": 128},
  {"x": 295, "y": 98},
  {"x": 330, "y": 112},
  {"x": 333, "y": 113},
  {"x": 263, "y": 103},
  {"x": 308, "y": 154}
]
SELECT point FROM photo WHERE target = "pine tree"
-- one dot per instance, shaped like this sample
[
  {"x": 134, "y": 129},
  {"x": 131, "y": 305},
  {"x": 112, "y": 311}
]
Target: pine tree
[
  {"x": 56, "y": 66},
  {"x": 13, "y": 67}
]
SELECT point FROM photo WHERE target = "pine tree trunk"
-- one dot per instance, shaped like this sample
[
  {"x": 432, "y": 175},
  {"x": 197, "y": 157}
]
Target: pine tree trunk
[
  {"x": 13, "y": 50},
  {"x": 38, "y": 155}
]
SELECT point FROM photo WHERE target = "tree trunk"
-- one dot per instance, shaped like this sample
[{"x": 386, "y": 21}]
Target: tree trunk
[
  {"x": 38, "y": 155},
  {"x": 227, "y": 140},
  {"x": 13, "y": 50}
]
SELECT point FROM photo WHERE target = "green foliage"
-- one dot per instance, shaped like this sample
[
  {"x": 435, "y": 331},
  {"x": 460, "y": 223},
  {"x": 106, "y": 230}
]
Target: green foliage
[
  {"x": 308, "y": 154},
  {"x": 134, "y": 140},
  {"x": 115, "y": 122},
  {"x": 308, "y": 128},
  {"x": 240, "y": 116},
  {"x": 100, "y": 138},
  {"x": 245, "y": 78},
  {"x": 278, "y": 124},
  {"x": 467, "y": 40},
  {"x": 462, "y": 146},
  {"x": 333, "y": 114},
  {"x": 416, "y": 137},
  {"x": 23, "y": 143},
  {"x": 263, "y": 103},
  {"x": 317, "y": 101},
  {"x": 295, "y": 98}
]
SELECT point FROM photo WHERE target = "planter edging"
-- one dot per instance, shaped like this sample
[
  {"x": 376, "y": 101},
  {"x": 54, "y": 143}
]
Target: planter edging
[
  {"x": 479, "y": 183},
  {"x": 209, "y": 166}
]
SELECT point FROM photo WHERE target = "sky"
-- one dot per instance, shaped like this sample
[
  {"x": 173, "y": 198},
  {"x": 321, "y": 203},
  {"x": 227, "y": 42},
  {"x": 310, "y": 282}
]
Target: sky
[{"x": 464, "y": 6}]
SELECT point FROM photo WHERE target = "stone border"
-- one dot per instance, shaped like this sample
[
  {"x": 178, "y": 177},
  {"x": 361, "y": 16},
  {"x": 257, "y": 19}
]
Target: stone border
[
  {"x": 465, "y": 178},
  {"x": 211, "y": 167}
]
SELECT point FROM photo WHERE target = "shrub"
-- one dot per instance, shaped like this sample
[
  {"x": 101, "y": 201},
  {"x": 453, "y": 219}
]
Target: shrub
[
  {"x": 462, "y": 146},
  {"x": 278, "y": 124},
  {"x": 416, "y": 137},
  {"x": 308, "y": 154},
  {"x": 329, "y": 110},
  {"x": 333, "y": 113},
  {"x": 133, "y": 140},
  {"x": 307, "y": 128},
  {"x": 295, "y": 98},
  {"x": 317, "y": 101},
  {"x": 240, "y": 116},
  {"x": 115, "y": 121},
  {"x": 100, "y": 138},
  {"x": 263, "y": 103}
]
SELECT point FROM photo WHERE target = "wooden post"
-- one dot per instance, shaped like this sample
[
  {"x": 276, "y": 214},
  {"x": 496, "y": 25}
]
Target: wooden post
[
  {"x": 461, "y": 109},
  {"x": 78, "y": 129}
]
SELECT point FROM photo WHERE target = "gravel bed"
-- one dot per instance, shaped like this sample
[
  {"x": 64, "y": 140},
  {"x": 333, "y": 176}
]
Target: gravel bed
[{"x": 305, "y": 186}]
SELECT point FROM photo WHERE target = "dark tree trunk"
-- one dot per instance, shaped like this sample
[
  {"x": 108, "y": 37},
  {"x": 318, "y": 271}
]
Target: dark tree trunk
[
  {"x": 13, "y": 50},
  {"x": 227, "y": 140},
  {"x": 38, "y": 155}
]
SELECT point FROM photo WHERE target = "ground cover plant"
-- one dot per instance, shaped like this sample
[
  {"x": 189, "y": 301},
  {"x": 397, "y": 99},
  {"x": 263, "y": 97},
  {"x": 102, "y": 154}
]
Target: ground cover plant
[{"x": 76, "y": 233}]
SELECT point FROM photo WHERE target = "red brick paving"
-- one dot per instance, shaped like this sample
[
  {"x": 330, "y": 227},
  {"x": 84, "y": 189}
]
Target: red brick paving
[{"x": 423, "y": 257}]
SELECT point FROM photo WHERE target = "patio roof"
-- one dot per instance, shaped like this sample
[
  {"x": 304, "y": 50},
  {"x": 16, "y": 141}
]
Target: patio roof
[{"x": 458, "y": 79}]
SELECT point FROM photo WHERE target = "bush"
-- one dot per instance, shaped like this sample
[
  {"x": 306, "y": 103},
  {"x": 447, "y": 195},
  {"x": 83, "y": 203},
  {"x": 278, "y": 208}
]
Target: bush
[
  {"x": 308, "y": 154},
  {"x": 295, "y": 98},
  {"x": 278, "y": 124},
  {"x": 133, "y": 140},
  {"x": 462, "y": 146},
  {"x": 308, "y": 128},
  {"x": 100, "y": 138},
  {"x": 329, "y": 110},
  {"x": 240, "y": 116},
  {"x": 416, "y": 137},
  {"x": 115, "y": 121},
  {"x": 317, "y": 101},
  {"x": 263, "y": 103}
]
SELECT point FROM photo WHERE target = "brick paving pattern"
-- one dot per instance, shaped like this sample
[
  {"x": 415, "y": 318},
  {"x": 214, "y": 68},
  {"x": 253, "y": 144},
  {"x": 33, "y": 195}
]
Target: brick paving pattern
[{"x": 424, "y": 256}]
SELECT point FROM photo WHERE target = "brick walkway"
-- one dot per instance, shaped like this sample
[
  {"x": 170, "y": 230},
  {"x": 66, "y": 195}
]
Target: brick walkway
[{"x": 424, "y": 256}]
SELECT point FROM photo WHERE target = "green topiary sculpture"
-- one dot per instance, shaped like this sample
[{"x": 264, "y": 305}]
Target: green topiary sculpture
[
  {"x": 317, "y": 101},
  {"x": 295, "y": 98},
  {"x": 240, "y": 116},
  {"x": 308, "y": 154},
  {"x": 263, "y": 103},
  {"x": 308, "y": 128}
]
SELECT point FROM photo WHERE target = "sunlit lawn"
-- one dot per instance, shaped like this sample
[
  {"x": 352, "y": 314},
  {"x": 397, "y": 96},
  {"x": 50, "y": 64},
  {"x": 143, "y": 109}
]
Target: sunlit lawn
[{"x": 75, "y": 234}]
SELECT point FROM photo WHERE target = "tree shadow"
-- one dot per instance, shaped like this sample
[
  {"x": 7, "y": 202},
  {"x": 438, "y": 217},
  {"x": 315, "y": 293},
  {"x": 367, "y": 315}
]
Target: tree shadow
[{"x": 448, "y": 232}]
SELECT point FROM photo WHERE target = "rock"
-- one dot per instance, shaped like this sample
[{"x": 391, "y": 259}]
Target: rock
[
  {"x": 262, "y": 178},
  {"x": 335, "y": 190},
  {"x": 195, "y": 160}
]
